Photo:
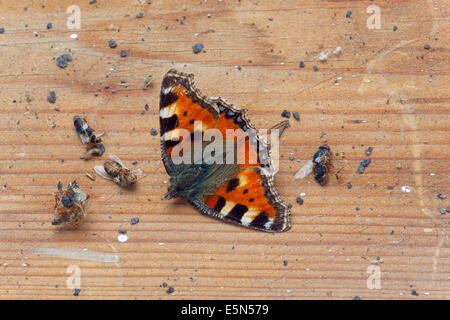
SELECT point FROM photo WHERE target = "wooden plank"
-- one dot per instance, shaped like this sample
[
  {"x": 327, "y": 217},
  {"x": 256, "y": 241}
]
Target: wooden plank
[{"x": 384, "y": 78}]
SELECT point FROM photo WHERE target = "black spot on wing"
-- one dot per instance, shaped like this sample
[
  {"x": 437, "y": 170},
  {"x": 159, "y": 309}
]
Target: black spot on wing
[
  {"x": 168, "y": 124},
  {"x": 232, "y": 184},
  {"x": 220, "y": 204},
  {"x": 237, "y": 212},
  {"x": 167, "y": 99},
  {"x": 260, "y": 220},
  {"x": 171, "y": 143}
]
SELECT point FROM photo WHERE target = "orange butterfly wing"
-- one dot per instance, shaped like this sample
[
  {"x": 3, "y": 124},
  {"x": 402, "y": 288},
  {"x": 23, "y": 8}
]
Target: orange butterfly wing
[{"x": 249, "y": 197}]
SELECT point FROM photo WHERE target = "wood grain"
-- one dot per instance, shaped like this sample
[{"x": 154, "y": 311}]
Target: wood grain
[{"x": 386, "y": 79}]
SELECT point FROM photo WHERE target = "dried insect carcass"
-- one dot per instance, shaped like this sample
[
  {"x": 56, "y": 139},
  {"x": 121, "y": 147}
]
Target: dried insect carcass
[
  {"x": 70, "y": 205},
  {"x": 116, "y": 171},
  {"x": 88, "y": 138},
  {"x": 322, "y": 162}
]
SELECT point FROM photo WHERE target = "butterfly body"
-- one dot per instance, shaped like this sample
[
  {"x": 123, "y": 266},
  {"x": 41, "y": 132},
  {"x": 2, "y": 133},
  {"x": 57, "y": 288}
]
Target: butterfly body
[{"x": 240, "y": 192}]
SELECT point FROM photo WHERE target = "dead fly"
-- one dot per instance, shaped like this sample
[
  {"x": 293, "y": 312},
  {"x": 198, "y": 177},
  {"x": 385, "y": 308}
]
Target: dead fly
[
  {"x": 116, "y": 171},
  {"x": 88, "y": 138},
  {"x": 70, "y": 205},
  {"x": 320, "y": 164},
  {"x": 322, "y": 161}
]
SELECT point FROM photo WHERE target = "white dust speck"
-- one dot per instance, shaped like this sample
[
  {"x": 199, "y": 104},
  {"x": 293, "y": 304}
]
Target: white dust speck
[
  {"x": 122, "y": 238},
  {"x": 406, "y": 189},
  {"x": 21, "y": 154},
  {"x": 428, "y": 230},
  {"x": 73, "y": 36}
]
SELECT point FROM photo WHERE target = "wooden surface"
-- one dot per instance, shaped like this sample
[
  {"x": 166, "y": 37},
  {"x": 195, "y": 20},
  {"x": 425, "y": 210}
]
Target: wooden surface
[{"x": 397, "y": 88}]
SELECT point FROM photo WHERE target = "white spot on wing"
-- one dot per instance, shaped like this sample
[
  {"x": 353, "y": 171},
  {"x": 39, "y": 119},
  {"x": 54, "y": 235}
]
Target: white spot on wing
[
  {"x": 249, "y": 216},
  {"x": 229, "y": 205},
  {"x": 268, "y": 224},
  {"x": 168, "y": 111},
  {"x": 172, "y": 134}
]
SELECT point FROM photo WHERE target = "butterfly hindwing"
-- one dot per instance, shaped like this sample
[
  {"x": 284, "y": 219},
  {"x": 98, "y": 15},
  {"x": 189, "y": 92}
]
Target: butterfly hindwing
[
  {"x": 249, "y": 199},
  {"x": 243, "y": 192}
]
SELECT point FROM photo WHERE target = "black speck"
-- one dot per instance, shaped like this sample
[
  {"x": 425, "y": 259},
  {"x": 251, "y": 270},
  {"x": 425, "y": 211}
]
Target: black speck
[
  {"x": 134, "y": 221},
  {"x": 299, "y": 200},
  {"x": 67, "y": 57},
  {"x": 369, "y": 151},
  {"x": 349, "y": 185},
  {"x": 296, "y": 116},
  {"x": 49, "y": 26},
  {"x": 363, "y": 165},
  {"x": 348, "y": 14},
  {"x": 62, "y": 60},
  {"x": 2, "y": 30},
  {"x": 122, "y": 231},
  {"x": 146, "y": 107},
  {"x": 427, "y": 47},
  {"x": 285, "y": 262},
  {"x": 390, "y": 188},
  {"x": 414, "y": 292},
  {"x": 170, "y": 290},
  {"x": 291, "y": 158},
  {"x": 356, "y": 298},
  {"x": 357, "y": 209},
  {"x": 153, "y": 132},
  {"x": 52, "y": 97},
  {"x": 394, "y": 28},
  {"x": 123, "y": 53},
  {"x": 76, "y": 292},
  {"x": 302, "y": 64},
  {"x": 112, "y": 44},
  {"x": 198, "y": 47},
  {"x": 134, "y": 163},
  {"x": 286, "y": 114},
  {"x": 442, "y": 211},
  {"x": 140, "y": 15},
  {"x": 315, "y": 69}
]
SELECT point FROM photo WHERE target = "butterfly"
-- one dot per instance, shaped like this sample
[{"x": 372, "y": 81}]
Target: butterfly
[{"x": 240, "y": 192}]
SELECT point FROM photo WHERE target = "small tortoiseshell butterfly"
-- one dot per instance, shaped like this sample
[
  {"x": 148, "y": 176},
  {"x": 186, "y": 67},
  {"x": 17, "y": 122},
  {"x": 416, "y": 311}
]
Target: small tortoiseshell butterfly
[{"x": 241, "y": 193}]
